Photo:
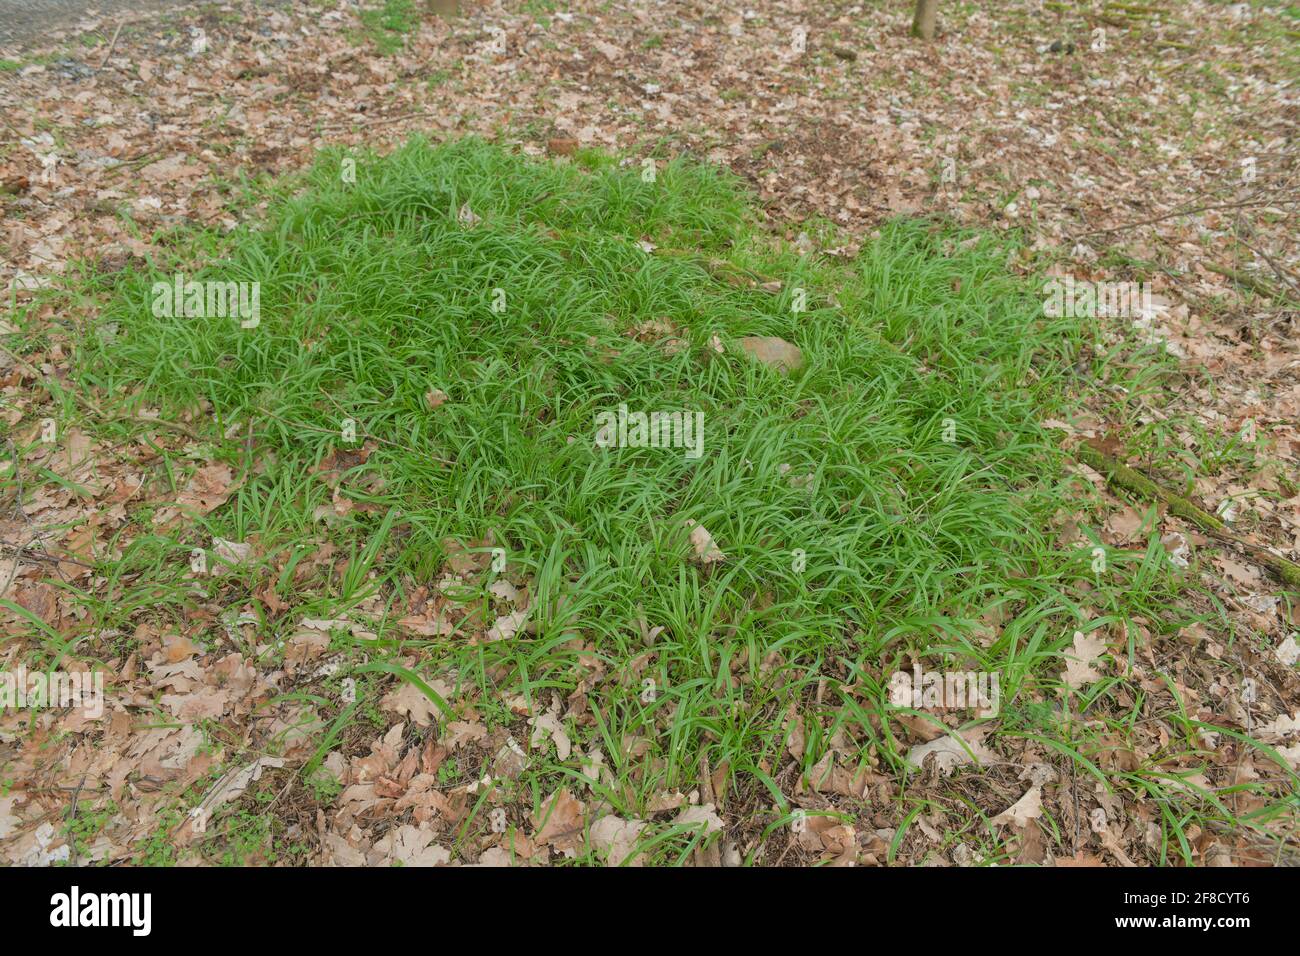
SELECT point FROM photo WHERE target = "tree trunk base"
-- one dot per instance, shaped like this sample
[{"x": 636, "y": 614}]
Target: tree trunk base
[{"x": 923, "y": 19}]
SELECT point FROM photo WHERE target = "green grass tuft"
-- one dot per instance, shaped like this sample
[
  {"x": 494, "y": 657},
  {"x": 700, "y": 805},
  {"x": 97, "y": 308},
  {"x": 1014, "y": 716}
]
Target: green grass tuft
[{"x": 375, "y": 292}]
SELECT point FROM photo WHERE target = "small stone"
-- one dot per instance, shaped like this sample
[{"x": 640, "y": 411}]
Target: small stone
[{"x": 774, "y": 352}]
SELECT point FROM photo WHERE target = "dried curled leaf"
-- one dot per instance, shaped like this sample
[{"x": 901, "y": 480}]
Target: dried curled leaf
[{"x": 705, "y": 549}]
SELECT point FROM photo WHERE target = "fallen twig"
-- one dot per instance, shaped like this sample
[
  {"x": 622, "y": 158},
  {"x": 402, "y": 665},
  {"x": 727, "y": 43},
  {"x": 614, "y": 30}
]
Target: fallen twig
[
  {"x": 1122, "y": 476},
  {"x": 27, "y": 552},
  {"x": 111, "y": 45},
  {"x": 1282, "y": 273},
  {"x": 1244, "y": 204},
  {"x": 1258, "y": 286}
]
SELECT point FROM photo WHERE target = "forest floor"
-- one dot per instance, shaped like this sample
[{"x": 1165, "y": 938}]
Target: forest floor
[{"x": 1103, "y": 142}]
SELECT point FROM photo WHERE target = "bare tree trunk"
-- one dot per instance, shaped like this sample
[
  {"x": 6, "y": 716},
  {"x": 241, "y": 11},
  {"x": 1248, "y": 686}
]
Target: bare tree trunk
[
  {"x": 923, "y": 19},
  {"x": 444, "y": 8}
]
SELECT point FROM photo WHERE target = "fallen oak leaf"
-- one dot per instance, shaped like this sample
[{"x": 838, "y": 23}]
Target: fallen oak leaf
[
  {"x": 702, "y": 814},
  {"x": 228, "y": 788},
  {"x": 1029, "y": 807},
  {"x": 1078, "y": 667},
  {"x": 1288, "y": 652},
  {"x": 1080, "y": 858},
  {"x": 411, "y": 678},
  {"x": 951, "y": 752},
  {"x": 230, "y": 554},
  {"x": 461, "y": 732},
  {"x": 507, "y": 626},
  {"x": 409, "y": 699},
  {"x": 208, "y": 488},
  {"x": 549, "y": 725},
  {"x": 410, "y": 846},
  {"x": 615, "y": 839},
  {"x": 560, "y": 822}
]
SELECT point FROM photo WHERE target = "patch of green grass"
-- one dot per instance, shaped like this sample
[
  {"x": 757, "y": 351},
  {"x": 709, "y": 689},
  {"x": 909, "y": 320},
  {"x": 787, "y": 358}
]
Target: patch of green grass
[
  {"x": 541, "y": 10},
  {"x": 374, "y": 294},
  {"x": 388, "y": 25},
  {"x": 882, "y": 503}
]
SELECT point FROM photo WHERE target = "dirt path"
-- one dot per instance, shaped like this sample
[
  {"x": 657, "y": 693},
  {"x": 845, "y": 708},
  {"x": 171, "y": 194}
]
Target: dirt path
[{"x": 29, "y": 22}]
